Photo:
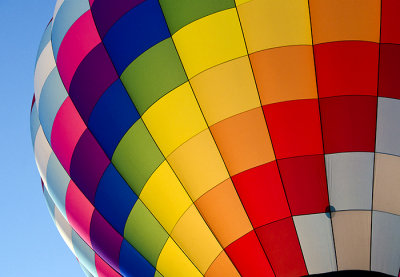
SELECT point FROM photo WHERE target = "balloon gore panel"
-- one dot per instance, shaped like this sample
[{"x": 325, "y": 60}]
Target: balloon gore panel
[{"x": 220, "y": 137}]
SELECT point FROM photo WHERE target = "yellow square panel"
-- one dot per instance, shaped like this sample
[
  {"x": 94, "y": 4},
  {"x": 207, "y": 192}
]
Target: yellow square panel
[
  {"x": 195, "y": 238},
  {"x": 173, "y": 262},
  {"x": 336, "y": 20},
  {"x": 209, "y": 41},
  {"x": 240, "y": 2},
  {"x": 271, "y": 23},
  {"x": 165, "y": 197},
  {"x": 174, "y": 119},
  {"x": 226, "y": 90},
  {"x": 198, "y": 164}
]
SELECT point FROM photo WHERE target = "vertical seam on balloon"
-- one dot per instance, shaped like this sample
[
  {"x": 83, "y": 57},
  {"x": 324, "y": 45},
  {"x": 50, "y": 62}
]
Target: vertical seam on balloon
[
  {"x": 376, "y": 131},
  {"x": 66, "y": 219},
  {"x": 94, "y": 251},
  {"x": 165, "y": 159},
  {"x": 87, "y": 128},
  {"x": 77, "y": 186},
  {"x": 208, "y": 127},
  {"x": 56, "y": 67},
  {"x": 322, "y": 134},
  {"x": 276, "y": 160},
  {"x": 230, "y": 176},
  {"x": 62, "y": 82}
]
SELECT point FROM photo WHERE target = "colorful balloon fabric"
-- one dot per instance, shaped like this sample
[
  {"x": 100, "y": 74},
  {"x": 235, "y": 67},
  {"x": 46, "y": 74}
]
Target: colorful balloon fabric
[{"x": 220, "y": 137}]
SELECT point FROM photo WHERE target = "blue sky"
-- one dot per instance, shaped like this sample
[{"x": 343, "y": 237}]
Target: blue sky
[{"x": 30, "y": 244}]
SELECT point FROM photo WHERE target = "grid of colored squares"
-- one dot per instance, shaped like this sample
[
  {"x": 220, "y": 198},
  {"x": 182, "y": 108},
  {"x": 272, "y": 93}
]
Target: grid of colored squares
[{"x": 222, "y": 138}]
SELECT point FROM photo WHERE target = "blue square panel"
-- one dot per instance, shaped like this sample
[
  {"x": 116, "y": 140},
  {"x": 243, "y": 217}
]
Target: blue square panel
[
  {"x": 112, "y": 116},
  {"x": 131, "y": 263},
  {"x": 136, "y": 31},
  {"x": 114, "y": 199}
]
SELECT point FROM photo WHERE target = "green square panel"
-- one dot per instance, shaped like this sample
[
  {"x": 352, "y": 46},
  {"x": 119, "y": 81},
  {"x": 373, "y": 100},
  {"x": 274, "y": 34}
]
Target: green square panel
[
  {"x": 137, "y": 156},
  {"x": 157, "y": 274},
  {"x": 153, "y": 74},
  {"x": 179, "y": 13},
  {"x": 144, "y": 233}
]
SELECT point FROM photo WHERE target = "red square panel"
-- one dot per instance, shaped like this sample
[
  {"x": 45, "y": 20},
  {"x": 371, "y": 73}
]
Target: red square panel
[
  {"x": 280, "y": 243},
  {"x": 389, "y": 71},
  {"x": 261, "y": 192},
  {"x": 390, "y": 21},
  {"x": 248, "y": 257},
  {"x": 304, "y": 179},
  {"x": 348, "y": 123},
  {"x": 294, "y": 127},
  {"x": 347, "y": 68}
]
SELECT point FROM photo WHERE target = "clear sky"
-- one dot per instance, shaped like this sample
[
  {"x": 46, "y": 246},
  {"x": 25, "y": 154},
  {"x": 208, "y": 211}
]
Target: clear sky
[{"x": 30, "y": 244}]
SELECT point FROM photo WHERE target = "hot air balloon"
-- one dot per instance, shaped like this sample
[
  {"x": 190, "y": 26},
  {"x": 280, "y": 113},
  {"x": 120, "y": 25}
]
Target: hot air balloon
[{"x": 221, "y": 137}]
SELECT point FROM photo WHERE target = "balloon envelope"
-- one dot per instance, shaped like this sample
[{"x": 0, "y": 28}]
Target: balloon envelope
[{"x": 222, "y": 138}]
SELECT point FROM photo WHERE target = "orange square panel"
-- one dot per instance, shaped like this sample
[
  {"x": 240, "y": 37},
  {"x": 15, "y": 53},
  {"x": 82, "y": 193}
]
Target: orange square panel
[
  {"x": 336, "y": 20},
  {"x": 222, "y": 266},
  {"x": 285, "y": 73},
  {"x": 243, "y": 141},
  {"x": 222, "y": 210}
]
